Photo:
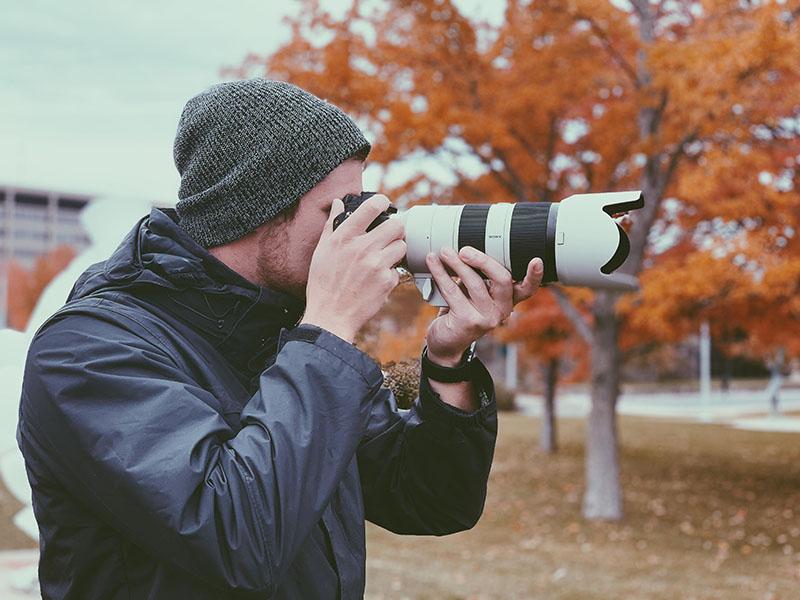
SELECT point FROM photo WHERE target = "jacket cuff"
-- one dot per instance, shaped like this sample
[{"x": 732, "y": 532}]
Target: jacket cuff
[
  {"x": 360, "y": 361},
  {"x": 433, "y": 407}
]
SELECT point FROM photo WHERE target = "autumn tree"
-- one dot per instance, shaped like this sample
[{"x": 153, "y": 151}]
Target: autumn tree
[
  {"x": 546, "y": 338},
  {"x": 746, "y": 287},
  {"x": 571, "y": 96},
  {"x": 26, "y": 285}
]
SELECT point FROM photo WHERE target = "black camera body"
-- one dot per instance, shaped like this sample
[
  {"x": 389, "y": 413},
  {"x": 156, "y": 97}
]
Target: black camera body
[{"x": 352, "y": 202}]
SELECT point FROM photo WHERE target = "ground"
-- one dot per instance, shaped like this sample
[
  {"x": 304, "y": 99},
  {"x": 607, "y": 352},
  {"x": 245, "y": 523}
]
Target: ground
[
  {"x": 711, "y": 512},
  {"x": 11, "y": 538}
]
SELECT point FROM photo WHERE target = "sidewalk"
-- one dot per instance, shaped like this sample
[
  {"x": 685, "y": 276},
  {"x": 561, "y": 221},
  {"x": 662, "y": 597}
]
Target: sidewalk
[
  {"x": 741, "y": 408},
  {"x": 18, "y": 574}
]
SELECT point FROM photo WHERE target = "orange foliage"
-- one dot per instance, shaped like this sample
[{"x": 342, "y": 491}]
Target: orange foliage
[
  {"x": 25, "y": 286},
  {"x": 691, "y": 101},
  {"x": 543, "y": 333},
  {"x": 397, "y": 332},
  {"x": 407, "y": 342}
]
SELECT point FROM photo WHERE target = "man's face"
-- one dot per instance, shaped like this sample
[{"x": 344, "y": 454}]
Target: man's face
[{"x": 285, "y": 249}]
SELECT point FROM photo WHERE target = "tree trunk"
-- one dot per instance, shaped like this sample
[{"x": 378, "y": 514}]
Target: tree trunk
[
  {"x": 727, "y": 372},
  {"x": 603, "y": 497},
  {"x": 547, "y": 437}
]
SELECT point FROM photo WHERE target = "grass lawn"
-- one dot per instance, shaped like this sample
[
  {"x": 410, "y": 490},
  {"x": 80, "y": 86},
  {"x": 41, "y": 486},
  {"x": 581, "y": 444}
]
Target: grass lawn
[{"x": 711, "y": 512}]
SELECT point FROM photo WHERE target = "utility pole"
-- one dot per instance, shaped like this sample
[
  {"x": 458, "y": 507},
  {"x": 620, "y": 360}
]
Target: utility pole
[
  {"x": 3, "y": 292},
  {"x": 705, "y": 371},
  {"x": 775, "y": 383},
  {"x": 511, "y": 366}
]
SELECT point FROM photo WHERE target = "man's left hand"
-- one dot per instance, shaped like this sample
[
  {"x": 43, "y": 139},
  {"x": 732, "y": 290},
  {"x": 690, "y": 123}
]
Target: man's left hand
[{"x": 484, "y": 306}]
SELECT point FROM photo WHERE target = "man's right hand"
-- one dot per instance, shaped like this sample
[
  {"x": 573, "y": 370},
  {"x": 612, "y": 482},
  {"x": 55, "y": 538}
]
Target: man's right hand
[{"x": 352, "y": 271}]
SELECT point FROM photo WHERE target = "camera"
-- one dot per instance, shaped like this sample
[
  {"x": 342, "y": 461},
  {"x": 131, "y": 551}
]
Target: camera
[{"x": 577, "y": 239}]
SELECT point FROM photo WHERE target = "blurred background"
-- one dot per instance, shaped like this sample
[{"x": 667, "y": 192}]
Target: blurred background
[{"x": 649, "y": 442}]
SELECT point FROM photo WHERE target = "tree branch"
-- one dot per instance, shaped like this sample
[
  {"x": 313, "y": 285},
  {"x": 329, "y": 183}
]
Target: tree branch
[
  {"x": 547, "y": 159},
  {"x": 516, "y": 180},
  {"x": 654, "y": 185},
  {"x": 552, "y": 139},
  {"x": 673, "y": 158},
  {"x": 616, "y": 55},
  {"x": 498, "y": 175},
  {"x": 573, "y": 314}
]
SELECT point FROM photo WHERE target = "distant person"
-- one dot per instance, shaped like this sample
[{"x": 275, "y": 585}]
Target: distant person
[{"x": 196, "y": 421}]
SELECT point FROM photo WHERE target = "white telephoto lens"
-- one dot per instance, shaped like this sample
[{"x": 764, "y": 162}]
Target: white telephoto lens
[{"x": 577, "y": 239}]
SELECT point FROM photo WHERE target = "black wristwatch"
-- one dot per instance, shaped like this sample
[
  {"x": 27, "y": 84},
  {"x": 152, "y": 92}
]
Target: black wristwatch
[{"x": 461, "y": 372}]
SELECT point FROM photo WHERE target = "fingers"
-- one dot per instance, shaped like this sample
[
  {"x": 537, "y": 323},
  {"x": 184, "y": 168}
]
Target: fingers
[
  {"x": 450, "y": 290},
  {"x": 337, "y": 206},
  {"x": 393, "y": 278},
  {"x": 385, "y": 233},
  {"x": 533, "y": 279},
  {"x": 501, "y": 289},
  {"x": 478, "y": 293},
  {"x": 357, "y": 223},
  {"x": 494, "y": 305},
  {"x": 394, "y": 252}
]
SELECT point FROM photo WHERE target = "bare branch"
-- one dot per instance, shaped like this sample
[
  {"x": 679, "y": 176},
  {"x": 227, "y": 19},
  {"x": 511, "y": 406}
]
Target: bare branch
[
  {"x": 500, "y": 176},
  {"x": 547, "y": 159},
  {"x": 615, "y": 55},
  {"x": 573, "y": 314},
  {"x": 516, "y": 180},
  {"x": 552, "y": 139},
  {"x": 673, "y": 159},
  {"x": 654, "y": 184}
]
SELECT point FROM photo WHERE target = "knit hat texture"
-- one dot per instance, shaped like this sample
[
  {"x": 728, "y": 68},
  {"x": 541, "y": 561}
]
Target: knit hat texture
[{"x": 247, "y": 150}]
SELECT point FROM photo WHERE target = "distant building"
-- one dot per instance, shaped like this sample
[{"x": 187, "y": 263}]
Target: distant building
[{"x": 33, "y": 222}]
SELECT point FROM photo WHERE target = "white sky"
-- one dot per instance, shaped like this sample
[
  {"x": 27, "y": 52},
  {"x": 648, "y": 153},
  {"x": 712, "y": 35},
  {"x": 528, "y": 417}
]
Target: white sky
[{"x": 91, "y": 90}]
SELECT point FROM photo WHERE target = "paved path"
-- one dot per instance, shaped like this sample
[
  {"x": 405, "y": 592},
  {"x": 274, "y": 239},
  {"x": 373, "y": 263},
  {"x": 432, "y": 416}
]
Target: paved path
[
  {"x": 740, "y": 408},
  {"x": 18, "y": 574}
]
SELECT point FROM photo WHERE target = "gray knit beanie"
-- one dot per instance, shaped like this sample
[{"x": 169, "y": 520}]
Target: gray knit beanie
[{"x": 247, "y": 150}]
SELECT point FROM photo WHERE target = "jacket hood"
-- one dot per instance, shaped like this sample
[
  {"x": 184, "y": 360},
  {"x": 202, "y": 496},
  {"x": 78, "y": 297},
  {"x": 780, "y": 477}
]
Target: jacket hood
[{"x": 159, "y": 259}]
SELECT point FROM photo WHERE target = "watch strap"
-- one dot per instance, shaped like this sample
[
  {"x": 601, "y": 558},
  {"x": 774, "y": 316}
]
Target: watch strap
[{"x": 461, "y": 372}]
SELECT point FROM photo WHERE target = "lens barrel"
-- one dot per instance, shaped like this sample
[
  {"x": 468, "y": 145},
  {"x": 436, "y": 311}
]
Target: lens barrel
[
  {"x": 472, "y": 226},
  {"x": 531, "y": 233},
  {"x": 578, "y": 233}
]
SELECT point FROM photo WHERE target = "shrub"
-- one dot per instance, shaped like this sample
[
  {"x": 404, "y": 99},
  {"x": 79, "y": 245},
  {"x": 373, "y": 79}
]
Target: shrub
[{"x": 403, "y": 379}]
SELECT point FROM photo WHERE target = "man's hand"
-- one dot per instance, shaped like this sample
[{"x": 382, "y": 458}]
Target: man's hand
[
  {"x": 352, "y": 271},
  {"x": 484, "y": 306}
]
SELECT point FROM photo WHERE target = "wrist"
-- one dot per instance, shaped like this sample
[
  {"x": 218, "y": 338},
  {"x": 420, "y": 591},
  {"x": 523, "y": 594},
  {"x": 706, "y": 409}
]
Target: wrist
[
  {"x": 329, "y": 325},
  {"x": 445, "y": 360},
  {"x": 461, "y": 371}
]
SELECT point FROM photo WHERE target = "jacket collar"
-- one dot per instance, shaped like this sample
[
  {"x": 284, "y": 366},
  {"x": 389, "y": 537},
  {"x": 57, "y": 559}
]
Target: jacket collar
[{"x": 157, "y": 257}]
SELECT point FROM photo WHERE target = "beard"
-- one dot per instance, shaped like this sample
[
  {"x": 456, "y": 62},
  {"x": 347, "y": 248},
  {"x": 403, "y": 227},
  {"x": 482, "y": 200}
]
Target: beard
[{"x": 274, "y": 268}]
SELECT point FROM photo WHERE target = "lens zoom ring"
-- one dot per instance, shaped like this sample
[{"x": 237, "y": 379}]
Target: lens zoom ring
[
  {"x": 472, "y": 227},
  {"x": 529, "y": 237}
]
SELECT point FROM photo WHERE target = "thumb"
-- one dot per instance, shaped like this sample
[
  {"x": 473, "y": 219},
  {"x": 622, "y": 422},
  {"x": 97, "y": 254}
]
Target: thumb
[{"x": 337, "y": 207}]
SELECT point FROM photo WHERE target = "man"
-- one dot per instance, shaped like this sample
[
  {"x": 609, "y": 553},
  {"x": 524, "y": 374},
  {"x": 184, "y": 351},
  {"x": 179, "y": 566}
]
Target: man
[{"x": 196, "y": 421}]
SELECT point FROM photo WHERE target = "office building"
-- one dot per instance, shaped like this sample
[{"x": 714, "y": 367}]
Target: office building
[{"x": 33, "y": 222}]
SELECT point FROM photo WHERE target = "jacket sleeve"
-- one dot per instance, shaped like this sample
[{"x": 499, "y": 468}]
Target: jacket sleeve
[
  {"x": 425, "y": 470},
  {"x": 132, "y": 436}
]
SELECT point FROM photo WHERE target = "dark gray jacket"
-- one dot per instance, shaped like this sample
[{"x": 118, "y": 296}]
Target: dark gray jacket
[{"x": 184, "y": 439}]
